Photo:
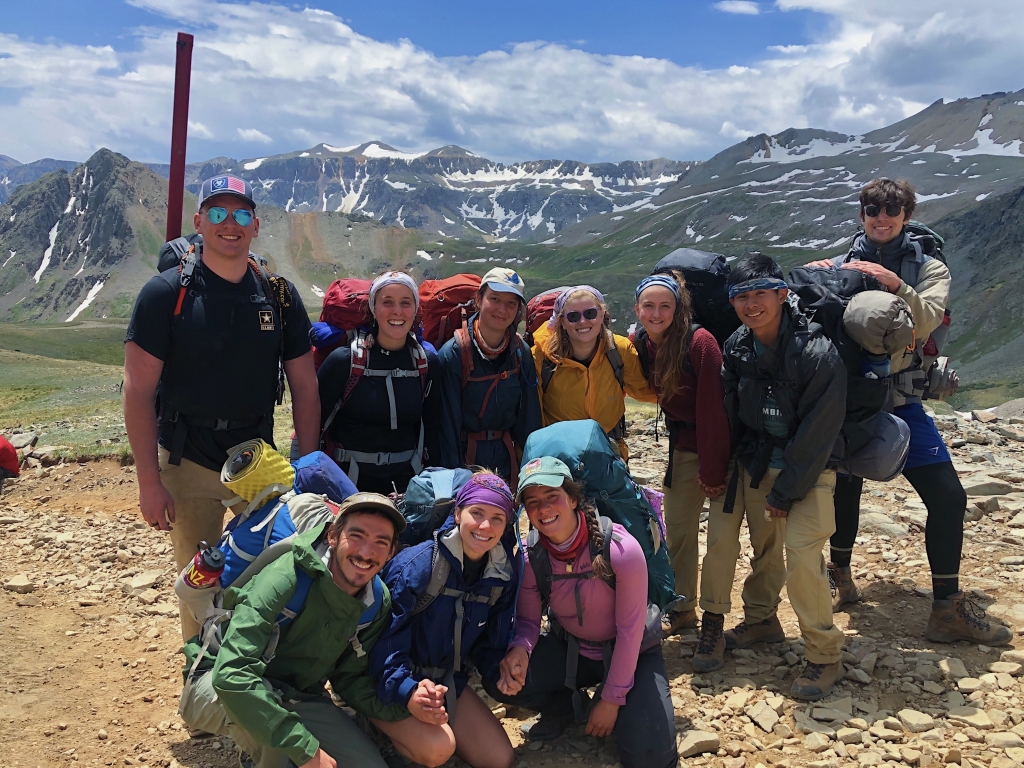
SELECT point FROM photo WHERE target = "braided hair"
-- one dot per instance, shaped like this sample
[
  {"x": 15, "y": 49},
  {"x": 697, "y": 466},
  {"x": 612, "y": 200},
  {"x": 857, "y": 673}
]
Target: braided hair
[{"x": 602, "y": 568}]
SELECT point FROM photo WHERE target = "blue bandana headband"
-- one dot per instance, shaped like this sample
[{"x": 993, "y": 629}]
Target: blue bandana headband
[
  {"x": 757, "y": 284},
  {"x": 664, "y": 281}
]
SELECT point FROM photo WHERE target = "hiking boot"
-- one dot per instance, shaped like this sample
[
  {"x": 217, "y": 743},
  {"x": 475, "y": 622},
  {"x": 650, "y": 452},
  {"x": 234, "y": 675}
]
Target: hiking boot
[
  {"x": 817, "y": 680},
  {"x": 960, "y": 618},
  {"x": 547, "y": 727},
  {"x": 710, "y": 653},
  {"x": 744, "y": 635},
  {"x": 674, "y": 621},
  {"x": 844, "y": 591}
]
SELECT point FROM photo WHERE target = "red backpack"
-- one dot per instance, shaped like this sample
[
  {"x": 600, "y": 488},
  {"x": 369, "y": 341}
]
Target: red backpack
[
  {"x": 346, "y": 306},
  {"x": 445, "y": 306},
  {"x": 539, "y": 310}
]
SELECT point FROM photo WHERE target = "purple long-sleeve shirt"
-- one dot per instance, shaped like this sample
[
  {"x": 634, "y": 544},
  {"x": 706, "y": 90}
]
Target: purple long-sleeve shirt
[{"x": 608, "y": 613}]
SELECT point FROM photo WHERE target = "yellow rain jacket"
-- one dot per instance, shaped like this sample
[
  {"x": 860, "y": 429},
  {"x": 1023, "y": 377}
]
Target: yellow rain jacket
[{"x": 589, "y": 392}]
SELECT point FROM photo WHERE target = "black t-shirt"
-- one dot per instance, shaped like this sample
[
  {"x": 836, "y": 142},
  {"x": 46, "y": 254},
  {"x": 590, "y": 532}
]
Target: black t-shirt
[
  {"x": 364, "y": 424},
  {"x": 472, "y": 569},
  {"x": 220, "y": 355}
]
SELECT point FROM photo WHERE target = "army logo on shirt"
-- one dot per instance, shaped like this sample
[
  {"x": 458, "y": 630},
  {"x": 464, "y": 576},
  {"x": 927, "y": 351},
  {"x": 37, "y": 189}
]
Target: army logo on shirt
[{"x": 266, "y": 320}]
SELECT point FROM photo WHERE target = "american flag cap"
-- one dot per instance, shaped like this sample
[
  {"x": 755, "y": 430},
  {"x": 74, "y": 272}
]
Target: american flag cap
[{"x": 226, "y": 184}]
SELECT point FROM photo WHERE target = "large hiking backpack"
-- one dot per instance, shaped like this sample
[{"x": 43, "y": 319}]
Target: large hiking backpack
[
  {"x": 594, "y": 462},
  {"x": 539, "y": 310},
  {"x": 428, "y": 500},
  {"x": 357, "y": 370},
  {"x": 445, "y": 306},
  {"x": 707, "y": 277},
  {"x": 873, "y": 444},
  {"x": 346, "y": 308},
  {"x": 259, "y": 536}
]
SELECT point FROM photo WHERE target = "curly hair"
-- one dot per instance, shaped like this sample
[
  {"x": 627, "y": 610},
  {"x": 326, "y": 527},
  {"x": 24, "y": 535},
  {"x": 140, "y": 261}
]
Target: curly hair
[
  {"x": 574, "y": 490},
  {"x": 884, "y": 191},
  {"x": 670, "y": 361},
  {"x": 560, "y": 345}
]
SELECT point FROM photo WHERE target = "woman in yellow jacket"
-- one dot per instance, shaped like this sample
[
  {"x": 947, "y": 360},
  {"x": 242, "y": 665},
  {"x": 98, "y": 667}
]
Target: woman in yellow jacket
[{"x": 583, "y": 369}]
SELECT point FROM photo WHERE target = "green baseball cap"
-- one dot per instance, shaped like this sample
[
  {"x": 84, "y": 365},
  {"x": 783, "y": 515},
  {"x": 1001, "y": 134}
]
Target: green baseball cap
[{"x": 546, "y": 470}]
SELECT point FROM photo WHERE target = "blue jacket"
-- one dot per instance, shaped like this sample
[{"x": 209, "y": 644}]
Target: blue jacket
[
  {"x": 513, "y": 405},
  {"x": 427, "y": 639}
]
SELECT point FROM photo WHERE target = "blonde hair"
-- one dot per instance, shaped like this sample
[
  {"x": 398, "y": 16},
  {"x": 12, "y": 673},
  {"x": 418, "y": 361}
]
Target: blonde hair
[{"x": 560, "y": 346}]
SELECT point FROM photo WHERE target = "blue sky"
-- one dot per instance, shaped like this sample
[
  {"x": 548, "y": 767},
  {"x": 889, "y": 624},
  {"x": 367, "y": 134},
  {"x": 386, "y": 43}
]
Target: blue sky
[
  {"x": 589, "y": 81},
  {"x": 687, "y": 32}
]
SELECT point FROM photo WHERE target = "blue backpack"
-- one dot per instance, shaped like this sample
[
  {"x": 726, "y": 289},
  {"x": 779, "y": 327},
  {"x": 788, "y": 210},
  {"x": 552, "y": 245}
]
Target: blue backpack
[
  {"x": 585, "y": 448},
  {"x": 428, "y": 500}
]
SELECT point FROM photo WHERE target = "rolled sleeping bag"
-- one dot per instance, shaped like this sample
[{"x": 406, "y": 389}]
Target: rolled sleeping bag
[{"x": 880, "y": 322}]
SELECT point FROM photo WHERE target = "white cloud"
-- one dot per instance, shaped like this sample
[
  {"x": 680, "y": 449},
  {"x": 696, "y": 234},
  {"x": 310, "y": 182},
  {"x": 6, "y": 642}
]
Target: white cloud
[
  {"x": 198, "y": 130},
  {"x": 251, "y": 134},
  {"x": 745, "y": 7},
  {"x": 305, "y": 77}
]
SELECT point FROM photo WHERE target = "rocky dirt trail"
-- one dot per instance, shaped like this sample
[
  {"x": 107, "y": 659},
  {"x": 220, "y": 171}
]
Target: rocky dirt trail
[{"x": 91, "y": 670}]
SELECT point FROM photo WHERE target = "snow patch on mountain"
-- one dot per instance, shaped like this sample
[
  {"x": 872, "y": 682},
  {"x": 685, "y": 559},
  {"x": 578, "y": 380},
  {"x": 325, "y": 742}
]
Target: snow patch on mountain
[{"x": 93, "y": 293}]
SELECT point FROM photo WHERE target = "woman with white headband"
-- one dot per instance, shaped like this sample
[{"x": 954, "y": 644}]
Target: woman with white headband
[
  {"x": 585, "y": 370},
  {"x": 683, "y": 365},
  {"x": 378, "y": 401}
]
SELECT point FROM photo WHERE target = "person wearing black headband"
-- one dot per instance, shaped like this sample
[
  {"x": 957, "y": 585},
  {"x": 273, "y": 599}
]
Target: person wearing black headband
[{"x": 785, "y": 396}]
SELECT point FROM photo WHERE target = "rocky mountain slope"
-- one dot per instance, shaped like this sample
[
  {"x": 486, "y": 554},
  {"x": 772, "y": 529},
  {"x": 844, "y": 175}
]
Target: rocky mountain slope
[
  {"x": 91, "y": 670},
  {"x": 796, "y": 192},
  {"x": 13, "y": 174}
]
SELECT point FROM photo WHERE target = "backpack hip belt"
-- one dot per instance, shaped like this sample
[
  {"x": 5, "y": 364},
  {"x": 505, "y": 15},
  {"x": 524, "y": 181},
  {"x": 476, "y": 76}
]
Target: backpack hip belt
[
  {"x": 183, "y": 421},
  {"x": 909, "y": 386}
]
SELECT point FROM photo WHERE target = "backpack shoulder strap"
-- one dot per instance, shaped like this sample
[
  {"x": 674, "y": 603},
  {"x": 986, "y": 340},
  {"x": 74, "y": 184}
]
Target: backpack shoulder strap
[
  {"x": 547, "y": 370},
  {"x": 368, "y": 615},
  {"x": 615, "y": 359},
  {"x": 419, "y": 357},
  {"x": 186, "y": 271},
  {"x": 294, "y": 606},
  {"x": 466, "y": 350},
  {"x": 541, "y": 564},
  {"x": 607, "y": 535},
  {"x": 439, "y": 570}
]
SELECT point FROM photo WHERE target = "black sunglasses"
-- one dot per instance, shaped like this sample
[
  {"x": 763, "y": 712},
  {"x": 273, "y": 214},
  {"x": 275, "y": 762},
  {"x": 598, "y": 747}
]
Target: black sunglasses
[
  {"x": 587, "y": 314},
  {"x": 891, "y": 209}
]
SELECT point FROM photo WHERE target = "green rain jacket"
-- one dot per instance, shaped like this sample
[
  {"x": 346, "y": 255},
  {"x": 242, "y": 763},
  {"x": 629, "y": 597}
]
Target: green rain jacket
[{"x": 315, "y": 647}]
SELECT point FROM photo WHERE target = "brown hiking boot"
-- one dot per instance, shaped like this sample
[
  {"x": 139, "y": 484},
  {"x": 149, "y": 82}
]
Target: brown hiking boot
[
  {"x": 710, "y": 653},
  {"x": 844, "y": 591},
  {"x": 960, "y": 618},
  {"x": 817, "y": 680},
  {"x": 744, "y": 635},
  {"x": 674, "y": 621}
]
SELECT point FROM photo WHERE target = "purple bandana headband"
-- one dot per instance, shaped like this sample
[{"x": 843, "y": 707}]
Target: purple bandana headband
[
  {"x": 486, "y": 489},
  {"x": 560, "y": 301}
]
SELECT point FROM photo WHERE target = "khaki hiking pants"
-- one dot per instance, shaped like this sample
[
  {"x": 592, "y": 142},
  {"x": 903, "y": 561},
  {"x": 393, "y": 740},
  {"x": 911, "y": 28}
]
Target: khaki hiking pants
[
  {"x": 338, "y": 734},
  {"x": 198, "y": 515},
  {"x": 801, "y": 569},
  {"x": 682, "y": 507}
]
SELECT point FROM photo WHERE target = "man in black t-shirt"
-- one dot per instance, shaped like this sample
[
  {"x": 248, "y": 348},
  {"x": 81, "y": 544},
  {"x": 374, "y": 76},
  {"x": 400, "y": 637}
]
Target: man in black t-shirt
[{"x": 207, "y": 353}]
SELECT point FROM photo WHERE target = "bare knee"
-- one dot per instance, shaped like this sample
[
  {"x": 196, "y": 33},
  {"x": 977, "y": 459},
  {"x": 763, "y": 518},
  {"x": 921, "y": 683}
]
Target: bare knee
[{"x": 434, "y": 747}]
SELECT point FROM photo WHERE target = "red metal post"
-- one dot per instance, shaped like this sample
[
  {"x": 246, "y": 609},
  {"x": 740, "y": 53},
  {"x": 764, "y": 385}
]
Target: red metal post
[{"x": 179, "y": 134}]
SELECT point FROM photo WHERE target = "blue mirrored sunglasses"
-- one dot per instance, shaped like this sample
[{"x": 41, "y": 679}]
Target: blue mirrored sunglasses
[{"x": 217, "y": 215}]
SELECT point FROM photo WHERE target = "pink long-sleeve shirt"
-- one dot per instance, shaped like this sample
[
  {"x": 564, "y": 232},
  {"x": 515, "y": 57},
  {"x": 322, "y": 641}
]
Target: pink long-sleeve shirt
[{"x": 608, "y": 613}]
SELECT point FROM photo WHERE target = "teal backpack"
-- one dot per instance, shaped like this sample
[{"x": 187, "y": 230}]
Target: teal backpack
[{"x": 595, "y": 462}]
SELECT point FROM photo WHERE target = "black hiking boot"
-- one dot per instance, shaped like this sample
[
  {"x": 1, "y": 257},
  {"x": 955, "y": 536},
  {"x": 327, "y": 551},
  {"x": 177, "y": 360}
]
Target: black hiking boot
[
  {"x": 710, "y": 653},
  {"x": 547, "y": 727}
]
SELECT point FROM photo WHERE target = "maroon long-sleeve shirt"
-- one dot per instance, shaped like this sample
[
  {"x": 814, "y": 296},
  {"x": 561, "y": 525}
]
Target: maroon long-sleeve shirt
[{"x": 700, "y": 401}]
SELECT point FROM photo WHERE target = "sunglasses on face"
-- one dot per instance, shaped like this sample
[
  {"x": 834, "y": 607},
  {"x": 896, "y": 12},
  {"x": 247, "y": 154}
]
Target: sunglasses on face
[
  {"x": 587, "y": 314},
  {"x": 892, "y": 210},
  {"x": 218, "y": 215}
]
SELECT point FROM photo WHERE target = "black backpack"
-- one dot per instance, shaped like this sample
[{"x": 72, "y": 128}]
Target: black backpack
[{"x": 707, "y": 278}]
